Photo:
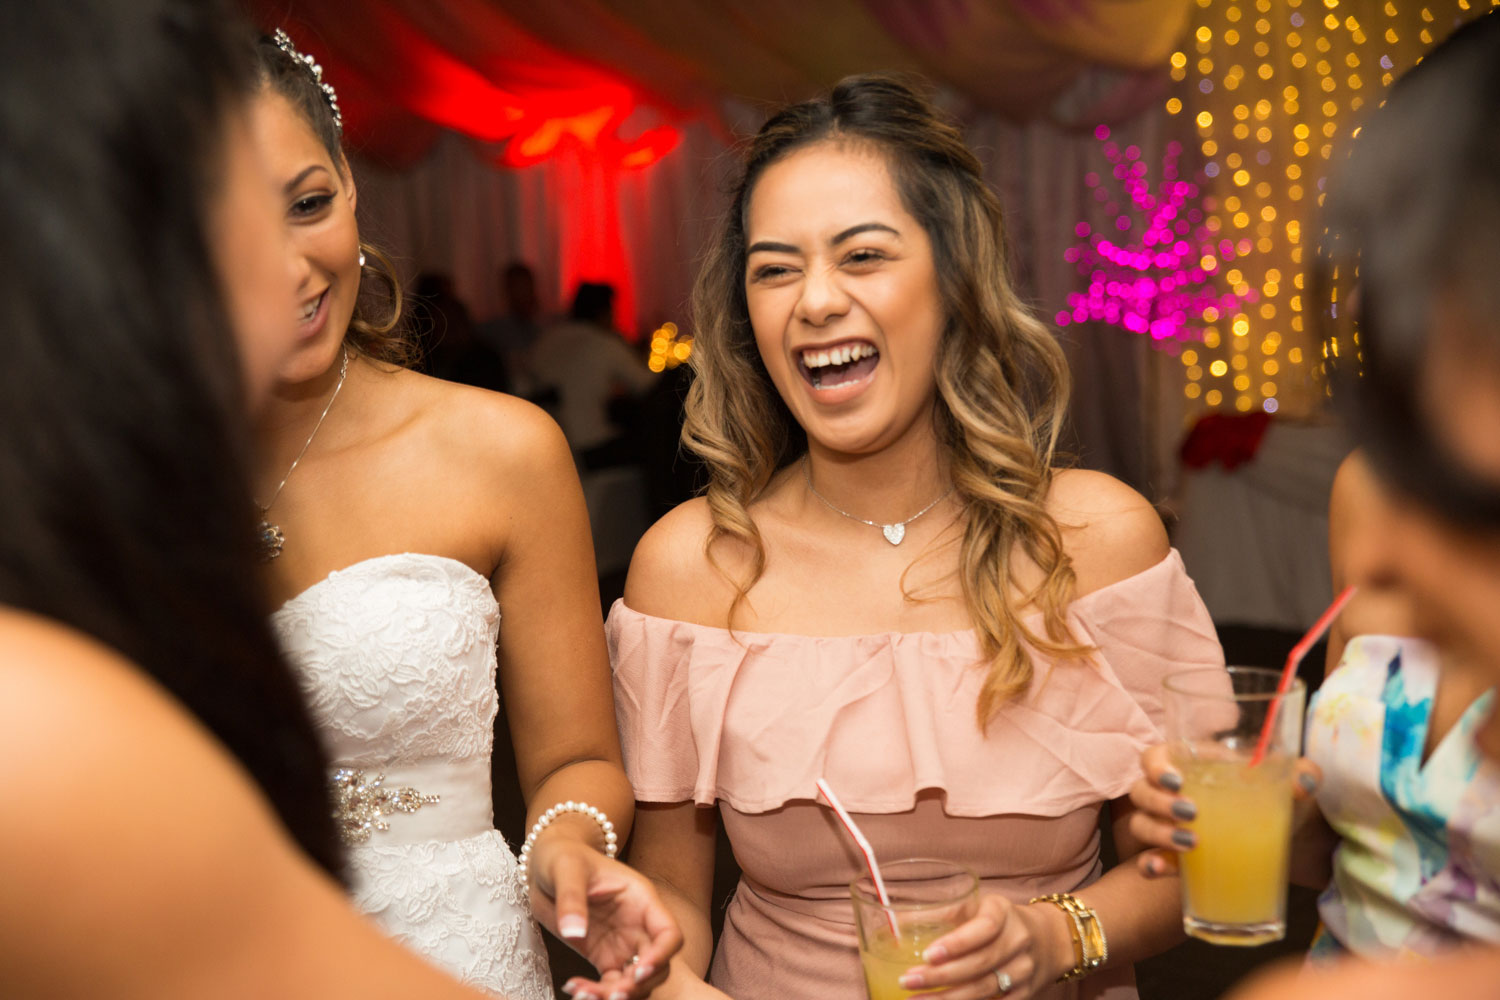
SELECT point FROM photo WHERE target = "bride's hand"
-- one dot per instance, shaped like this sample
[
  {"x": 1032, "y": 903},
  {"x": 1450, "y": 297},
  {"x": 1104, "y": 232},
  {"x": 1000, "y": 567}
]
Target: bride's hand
[{"x": 606, "y": 911}]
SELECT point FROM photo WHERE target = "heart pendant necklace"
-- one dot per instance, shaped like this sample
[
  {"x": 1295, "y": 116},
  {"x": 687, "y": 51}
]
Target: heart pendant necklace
[{"x": 894, "y": 533}]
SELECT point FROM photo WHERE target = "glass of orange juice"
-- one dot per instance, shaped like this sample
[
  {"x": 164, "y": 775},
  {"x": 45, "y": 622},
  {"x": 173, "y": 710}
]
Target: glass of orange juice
[
  {"x": 1234, "y": 879},
  {"x": 928, "y": 898}
]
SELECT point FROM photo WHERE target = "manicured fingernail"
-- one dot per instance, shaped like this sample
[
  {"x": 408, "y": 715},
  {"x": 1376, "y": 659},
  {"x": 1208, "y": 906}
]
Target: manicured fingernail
[
  {"x": 573, "y": 927},
  {"x": 1184, "y": 810},
  {"x": 1184, "y": 838},
  {"x": 937, "y": 953},
  {"x": 1171, "y": 781},
  {"x": 644, "y": 971},
  {"x": 619, "y": 995},
  {"x": 1308, "y": 782},
  {"x": 570, "y": 987},
  {"x": 911, "y": 981}
]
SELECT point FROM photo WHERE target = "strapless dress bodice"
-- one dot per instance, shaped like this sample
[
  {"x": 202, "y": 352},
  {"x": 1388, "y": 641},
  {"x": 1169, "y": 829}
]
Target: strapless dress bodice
[
  {"x": 396, "y": 656},
  {"x": 396, "y": 659}
]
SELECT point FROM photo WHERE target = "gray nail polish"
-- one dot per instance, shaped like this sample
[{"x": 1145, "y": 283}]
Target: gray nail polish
[
  {"x": 1184, "y": 810},
  {"x": 1308, "y": 782},
  {"x": 1184, "y": 838},
  {"x": 1171, "y": 781}
]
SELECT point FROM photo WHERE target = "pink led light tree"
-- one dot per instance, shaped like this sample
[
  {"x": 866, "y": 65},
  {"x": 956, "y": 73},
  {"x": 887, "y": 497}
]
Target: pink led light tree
[{"x": 1155, "y": 274}]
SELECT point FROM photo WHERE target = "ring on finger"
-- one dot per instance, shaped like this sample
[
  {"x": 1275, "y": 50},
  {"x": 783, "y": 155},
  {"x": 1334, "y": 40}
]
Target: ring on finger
[{"x": 1003, "y": 980}]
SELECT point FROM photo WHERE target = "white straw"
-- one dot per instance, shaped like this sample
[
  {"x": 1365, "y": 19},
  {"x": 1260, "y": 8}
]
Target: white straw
[{"x": 865, "y": 849}]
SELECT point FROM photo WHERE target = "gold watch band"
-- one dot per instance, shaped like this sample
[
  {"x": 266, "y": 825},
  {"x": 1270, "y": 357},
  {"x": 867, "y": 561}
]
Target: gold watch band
[{"x": 1090, "y": 948}]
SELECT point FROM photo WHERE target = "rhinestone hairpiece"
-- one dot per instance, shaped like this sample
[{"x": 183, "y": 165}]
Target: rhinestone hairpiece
[{"x": 284, "y": 43}]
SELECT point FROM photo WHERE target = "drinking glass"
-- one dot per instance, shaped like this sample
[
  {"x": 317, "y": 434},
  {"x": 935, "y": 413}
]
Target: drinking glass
[
  {"x": 1234, "y": 879},
  {"x": 928, "y": 898}
]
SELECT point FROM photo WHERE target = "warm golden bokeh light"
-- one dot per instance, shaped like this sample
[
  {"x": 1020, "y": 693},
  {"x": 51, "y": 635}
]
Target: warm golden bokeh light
[
  {"x": 1289, "y": 83},
  {"x": 669, "y": 348}
]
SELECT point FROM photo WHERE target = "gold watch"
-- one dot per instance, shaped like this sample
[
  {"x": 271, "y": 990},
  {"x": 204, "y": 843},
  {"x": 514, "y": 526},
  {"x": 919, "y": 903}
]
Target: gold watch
[{"x": 1090, "y": 949}]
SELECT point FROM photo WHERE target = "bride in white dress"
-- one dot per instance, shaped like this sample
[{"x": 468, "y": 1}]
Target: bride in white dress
[{"x": 400, "y": 515}]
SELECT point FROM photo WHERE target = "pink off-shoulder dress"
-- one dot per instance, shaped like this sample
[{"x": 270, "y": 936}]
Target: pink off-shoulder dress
[{"x": 748, "y": 722}]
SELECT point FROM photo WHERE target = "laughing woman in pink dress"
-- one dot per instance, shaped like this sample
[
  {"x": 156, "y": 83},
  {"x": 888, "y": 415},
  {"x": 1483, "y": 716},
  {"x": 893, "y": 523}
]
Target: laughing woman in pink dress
[{"x": 889, "y": 584}]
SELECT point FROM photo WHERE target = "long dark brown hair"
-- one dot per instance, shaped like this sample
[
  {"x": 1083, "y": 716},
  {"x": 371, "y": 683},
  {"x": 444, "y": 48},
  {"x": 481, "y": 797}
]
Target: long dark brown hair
[
  {"x": 1413, "y": 226},
  {"x": 124, "y": 504}
]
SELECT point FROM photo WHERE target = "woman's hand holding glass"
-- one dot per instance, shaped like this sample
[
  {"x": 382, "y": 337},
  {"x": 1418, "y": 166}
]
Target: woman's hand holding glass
[
  {"x": 1006, "y": 949},
  {"x": 1160, "y": 811}
]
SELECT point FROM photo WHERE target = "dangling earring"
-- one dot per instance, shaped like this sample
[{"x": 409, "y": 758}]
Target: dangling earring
[{"x": 361, "y": 258}]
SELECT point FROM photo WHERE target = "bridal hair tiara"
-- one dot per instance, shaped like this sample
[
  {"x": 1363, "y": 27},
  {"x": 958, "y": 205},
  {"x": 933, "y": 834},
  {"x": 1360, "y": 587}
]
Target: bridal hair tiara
[{"x": 284, "y": 43}]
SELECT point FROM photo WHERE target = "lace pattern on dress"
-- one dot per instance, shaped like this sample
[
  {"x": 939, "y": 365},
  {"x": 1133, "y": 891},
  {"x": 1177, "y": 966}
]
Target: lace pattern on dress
[
  {"x": 396, "y": 656},
  {"x": 397, "y": 660}
]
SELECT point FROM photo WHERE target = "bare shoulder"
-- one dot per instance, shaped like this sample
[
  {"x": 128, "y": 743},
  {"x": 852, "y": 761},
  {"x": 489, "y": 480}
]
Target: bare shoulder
[
  {"x": 126, "y": 825},
  {"x": 55, "y": 681},
  {"x": 57, "y": 684},
  {"x": 671, "y": 575},
  {"x": 1469, "y": 973},
  {"x": 491, "y": 428},
  {"x": 1109, "y": 530},
  {"x": 496, "y": 459},
  {"x": 107, "y": 777}
]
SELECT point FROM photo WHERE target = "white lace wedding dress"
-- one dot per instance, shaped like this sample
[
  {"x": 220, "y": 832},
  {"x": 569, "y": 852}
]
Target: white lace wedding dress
[{"x": 397, "y": 658}]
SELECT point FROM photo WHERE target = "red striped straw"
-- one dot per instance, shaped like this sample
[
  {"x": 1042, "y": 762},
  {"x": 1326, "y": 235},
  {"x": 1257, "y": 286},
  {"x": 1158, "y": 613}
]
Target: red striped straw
[
  {"x": 864, "y": 848},
  {"x": 1289, "y": 672}
]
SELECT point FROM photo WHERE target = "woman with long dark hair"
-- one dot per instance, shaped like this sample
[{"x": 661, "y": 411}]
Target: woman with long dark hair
[{"x": 165, "y": 828}]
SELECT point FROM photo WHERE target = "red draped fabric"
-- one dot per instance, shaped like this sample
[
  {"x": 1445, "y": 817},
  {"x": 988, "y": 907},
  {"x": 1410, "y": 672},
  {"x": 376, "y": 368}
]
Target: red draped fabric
[{"x": 593, "y": 89}]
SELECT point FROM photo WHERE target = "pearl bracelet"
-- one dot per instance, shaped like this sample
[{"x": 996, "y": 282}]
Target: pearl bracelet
[{"x": 611, "y": 841}]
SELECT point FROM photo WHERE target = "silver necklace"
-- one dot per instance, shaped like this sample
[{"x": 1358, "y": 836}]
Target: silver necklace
[
  {"x": 894, "y": 533},
  {"x": 268, "y": 535}
]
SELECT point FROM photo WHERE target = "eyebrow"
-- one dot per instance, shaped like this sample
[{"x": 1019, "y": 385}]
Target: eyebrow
[
  {"x": 769, "y": 246},
  {"x": 292, "y": 184}
]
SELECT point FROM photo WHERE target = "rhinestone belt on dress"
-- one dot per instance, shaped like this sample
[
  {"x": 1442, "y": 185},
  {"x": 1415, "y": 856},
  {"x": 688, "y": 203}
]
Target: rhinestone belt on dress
[{"x": 361, "y": 804}]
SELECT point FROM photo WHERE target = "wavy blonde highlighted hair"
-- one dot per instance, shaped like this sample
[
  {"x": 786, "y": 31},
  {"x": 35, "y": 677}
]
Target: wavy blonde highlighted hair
[{"x": 1002, "y": 382}]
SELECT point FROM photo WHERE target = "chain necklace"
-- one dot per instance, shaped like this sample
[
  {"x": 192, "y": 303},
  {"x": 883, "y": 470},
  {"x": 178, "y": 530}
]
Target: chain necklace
[
  {"x": 894, "y": 533},
  {"x": 268, "y": 535}
]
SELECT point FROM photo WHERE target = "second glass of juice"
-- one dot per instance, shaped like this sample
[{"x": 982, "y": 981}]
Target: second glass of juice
[
  {"x": 928, "y": 898},
  {"x": 1234, "y": 879}
]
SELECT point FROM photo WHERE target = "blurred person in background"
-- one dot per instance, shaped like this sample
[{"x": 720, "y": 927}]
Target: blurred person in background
[
  {"x": 452, "y": 349},
  {"x": 592, "y": 368},
  {"x": 513, "y": 332}
]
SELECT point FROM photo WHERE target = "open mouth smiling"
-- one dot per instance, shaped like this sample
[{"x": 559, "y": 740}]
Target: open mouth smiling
[
  {"x": 838, "y": 364},
  {"x": 310, "y": 308}
]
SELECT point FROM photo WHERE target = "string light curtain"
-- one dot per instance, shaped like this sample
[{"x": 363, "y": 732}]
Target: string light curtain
[{"x": 1273, "y": 89}]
